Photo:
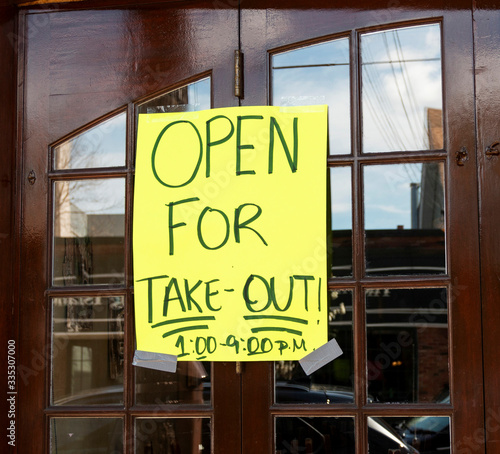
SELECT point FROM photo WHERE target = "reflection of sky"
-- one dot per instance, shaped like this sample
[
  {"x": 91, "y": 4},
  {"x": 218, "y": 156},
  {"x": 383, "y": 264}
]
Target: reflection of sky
[
  {"x": 387, "y": 194},
  {"x": 319, "y": 85},
  {"x": 113, "y": 142},
  {"x": 419, "y": 42},
  {"x": 340, "y": 183},
  {"x": 105, "y": 146},
  {"x": 98, "y": 196},
  {"x": 336, "y": 51},
  {"x": 325, "y": 82},
  {"x": 401, "y": 78},
  {"x": 199, "y": 95},
  {"x": 101, "y": 146},
  {"x": 190, "y": 98}
]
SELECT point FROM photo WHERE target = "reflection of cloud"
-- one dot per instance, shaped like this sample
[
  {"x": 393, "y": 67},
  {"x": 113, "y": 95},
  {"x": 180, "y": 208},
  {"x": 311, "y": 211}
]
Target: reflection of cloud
[
  {"x": 98, "y": 196},
  {"x": 387, "y": 194},
  {"x": 401, "y": 79},
  {"x": 199, "y": 95},
  {"x": 340, "y": 182},
  {"x": 390, "y": 209},
  {"x": 420, "y": 41},
  {"x": 424, "y": 78},
  {"x": 309, "y": 86},
  {"x": 299, "y": 83},
  {"x": 341, "y": 208},
  {"x": 100, "y": 146}
]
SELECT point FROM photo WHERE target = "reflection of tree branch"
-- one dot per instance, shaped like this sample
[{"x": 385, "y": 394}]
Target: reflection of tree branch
[{"x": 80, "y": 152}]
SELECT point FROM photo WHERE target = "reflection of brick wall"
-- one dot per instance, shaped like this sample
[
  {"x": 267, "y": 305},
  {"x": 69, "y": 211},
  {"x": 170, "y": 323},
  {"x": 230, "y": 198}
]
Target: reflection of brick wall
[
  {"x": 432, "y": 363},
  {"x": 435, "y": 128}
]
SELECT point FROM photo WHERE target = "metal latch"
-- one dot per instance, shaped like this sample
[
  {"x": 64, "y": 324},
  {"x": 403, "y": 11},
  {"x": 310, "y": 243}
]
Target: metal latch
[
  {"x": 462, "y": 156},
  {"x": 492, "y": 150}
]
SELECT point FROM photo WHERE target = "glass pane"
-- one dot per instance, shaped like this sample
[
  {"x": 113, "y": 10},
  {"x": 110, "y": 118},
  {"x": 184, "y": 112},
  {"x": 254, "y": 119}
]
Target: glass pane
[
  {"x": 427, "y": 434},
  {"x": 87, "y": 350},
  {"x": 318, "y": 435},
  {"x": 89, "y": 228},
  {"x": 103, "y": 145},
  {"x": 329, "y": 435},
  {"x": 341, "y": 203},
  {"x": 192, "y": 97},
  {"x": 317, "y": 74},
  {"x": 384, "y": 439},
  {"x": 333, "y": 382},
  {"x": 407, "y": 339},
  {"x": 190, "y": 384},
  {"x": 404, "y": 218},
  {"x": 86, "y": 435},
  {"x": 173, "y": 435},
  {"x": 328, "y": 53},
  {"x": 401, "y": 89}
]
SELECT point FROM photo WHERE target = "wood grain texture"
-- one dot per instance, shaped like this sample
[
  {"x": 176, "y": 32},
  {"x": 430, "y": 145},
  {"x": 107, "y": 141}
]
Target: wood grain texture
[{"x": 487, "y": 41}]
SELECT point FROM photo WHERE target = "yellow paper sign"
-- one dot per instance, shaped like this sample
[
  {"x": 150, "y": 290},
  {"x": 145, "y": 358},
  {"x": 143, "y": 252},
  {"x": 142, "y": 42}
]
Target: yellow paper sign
[{"x": 230, "y": 233}]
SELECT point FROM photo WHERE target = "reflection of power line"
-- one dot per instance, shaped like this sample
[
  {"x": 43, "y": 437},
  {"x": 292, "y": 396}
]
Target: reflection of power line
[
  {"x": 380, "y": 123},
  {"x": 413, "y": 171},
  {"x": 408, "y": 131},
  {"x": 396, "y": 83},
  {"x": 381, "y": 114},
  {"x": 407, "y": 60},
  {"x": 406, "y": 79}
]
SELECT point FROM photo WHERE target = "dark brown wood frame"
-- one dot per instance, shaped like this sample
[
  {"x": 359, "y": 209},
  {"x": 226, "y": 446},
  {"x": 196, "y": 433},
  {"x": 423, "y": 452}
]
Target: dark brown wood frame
[
  {"x": 466, "y": 320},
  {"x": 9, "y": 239}
]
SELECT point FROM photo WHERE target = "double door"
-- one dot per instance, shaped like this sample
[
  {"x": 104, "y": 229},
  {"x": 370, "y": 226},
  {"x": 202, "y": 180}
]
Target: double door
[{"x": 404, "y": 271}]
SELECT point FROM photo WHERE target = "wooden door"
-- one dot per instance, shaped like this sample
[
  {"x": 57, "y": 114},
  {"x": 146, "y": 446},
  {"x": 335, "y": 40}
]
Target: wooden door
[
  {"x": 486, "y": 41},
  {"x": 88, "y": 73},
  {"x": 321, "y": 54},
  {"x": 405, "y": 301}
]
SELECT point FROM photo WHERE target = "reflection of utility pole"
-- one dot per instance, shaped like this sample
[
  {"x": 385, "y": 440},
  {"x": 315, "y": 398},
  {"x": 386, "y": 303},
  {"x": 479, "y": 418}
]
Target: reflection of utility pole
[{"x": 414, "y": 205}]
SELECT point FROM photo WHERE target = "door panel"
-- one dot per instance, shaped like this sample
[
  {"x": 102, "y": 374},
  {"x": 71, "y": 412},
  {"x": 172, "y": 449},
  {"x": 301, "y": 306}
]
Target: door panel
[
  {"x": 267, "y": 32},
  {"x": 487, "y": 40},
  {"x": 81, "y": 69}
]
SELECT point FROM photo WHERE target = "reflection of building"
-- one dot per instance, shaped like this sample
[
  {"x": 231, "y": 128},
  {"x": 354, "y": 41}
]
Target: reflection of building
[
  {"x": 407, "y": 329},
  {"x": 88, "y": 248},
  {"x": 407, "y": 343},
  {"x": 88, "y": 337},
  {"x": 406, "y": 350},
  {"x": 431, "y": 206},
  {"x": 70, "y": 221},
  {"x": 435, "y": 128},
  {"x": 173, "y": 101}
]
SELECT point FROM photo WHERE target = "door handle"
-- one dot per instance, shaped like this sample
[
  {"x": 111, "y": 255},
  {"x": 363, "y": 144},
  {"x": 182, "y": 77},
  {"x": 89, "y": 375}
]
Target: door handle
[{"x": 492, "y": 150}]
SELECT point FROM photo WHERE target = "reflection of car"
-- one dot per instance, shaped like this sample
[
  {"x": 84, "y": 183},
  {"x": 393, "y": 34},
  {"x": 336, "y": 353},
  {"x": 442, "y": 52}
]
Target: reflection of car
[
  {"x": 429, "y": 434},
  {"x": 382, "y": 438},
  {"x": 288, "y": 393},
  {"x": 293, "y": 434},
  {"x": 320, "y": 434},
  {"x": 109, "y": 395},
  {"x": 327, "y": 434}
]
